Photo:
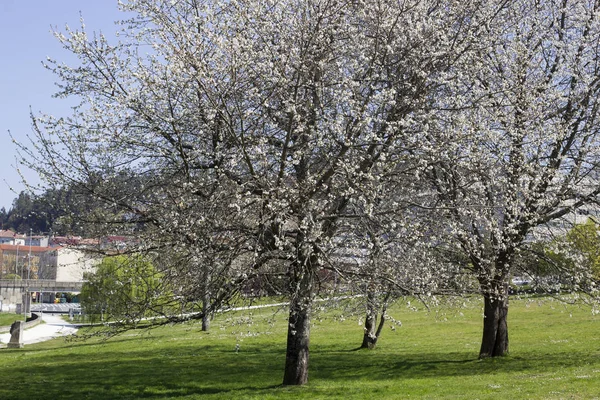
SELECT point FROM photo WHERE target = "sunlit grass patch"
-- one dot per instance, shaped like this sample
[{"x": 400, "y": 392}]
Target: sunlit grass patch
[
  {"x": 554, "y": 354},
  {"x": 8, "y": 318}
]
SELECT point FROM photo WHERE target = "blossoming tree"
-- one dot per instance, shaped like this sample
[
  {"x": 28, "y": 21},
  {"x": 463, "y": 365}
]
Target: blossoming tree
[
  {"x": 518, "y": 143},
  {"x": 249, "y": 126}
]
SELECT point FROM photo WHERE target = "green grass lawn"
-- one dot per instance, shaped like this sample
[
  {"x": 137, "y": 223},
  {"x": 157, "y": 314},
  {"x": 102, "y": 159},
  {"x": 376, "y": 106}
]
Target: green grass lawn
[
  {"x": 555, "y": 354},
  {"x": 8, "y": 318}
]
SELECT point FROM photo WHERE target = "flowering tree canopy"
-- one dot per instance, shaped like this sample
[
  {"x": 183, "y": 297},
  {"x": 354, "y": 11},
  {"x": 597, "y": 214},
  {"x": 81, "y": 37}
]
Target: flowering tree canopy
[
  {"x": 520, "y": 139},
  {"x": 249, "y": 125},
  {"x": 247, "y": 136}
]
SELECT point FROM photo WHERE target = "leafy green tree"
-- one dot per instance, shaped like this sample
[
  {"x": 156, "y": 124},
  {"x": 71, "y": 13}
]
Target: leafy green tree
[
  {"x": 585, "y": 239},
  {"x": 21, "y": 216},
  {"x": 125, "y": 288},
  {"x": 3, "y": 217},
  {"x": 569, "y": 260},
  {"x": 30, "y": 213}
]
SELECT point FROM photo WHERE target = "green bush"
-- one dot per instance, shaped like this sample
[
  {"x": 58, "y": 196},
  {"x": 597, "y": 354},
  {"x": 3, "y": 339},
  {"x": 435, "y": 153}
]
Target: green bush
[{"x": 125, "y": 288}]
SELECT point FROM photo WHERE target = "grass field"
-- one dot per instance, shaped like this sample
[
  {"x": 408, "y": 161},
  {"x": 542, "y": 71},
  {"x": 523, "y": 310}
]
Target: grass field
[
  {"x": 9, "y": 318},
  {"x": 555, "y": 354}
]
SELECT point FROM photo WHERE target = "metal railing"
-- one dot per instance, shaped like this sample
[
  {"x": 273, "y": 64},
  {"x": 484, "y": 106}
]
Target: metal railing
[{"x": 39, "y": 285}]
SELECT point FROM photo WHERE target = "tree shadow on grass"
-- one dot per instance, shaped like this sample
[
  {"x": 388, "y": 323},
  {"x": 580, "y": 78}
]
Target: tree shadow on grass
[
  {"x": 372, "y": 365},
  {"x": 130, "y": 373},
  {"x": 217, "y": 371}
]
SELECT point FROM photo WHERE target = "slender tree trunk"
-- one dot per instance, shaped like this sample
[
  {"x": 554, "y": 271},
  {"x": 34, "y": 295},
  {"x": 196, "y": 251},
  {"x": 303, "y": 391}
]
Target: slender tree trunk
[
  {"x": 206, "y": 312},
  {"x": 369, "y": 336},
  {"x": 205, "y": 316},
  {"x": 298, "y": 336},
  {"x": 495, "y": 328}
]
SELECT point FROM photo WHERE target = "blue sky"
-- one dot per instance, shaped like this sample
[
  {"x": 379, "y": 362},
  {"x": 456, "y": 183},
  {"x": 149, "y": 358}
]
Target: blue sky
[{"x": 25, "y": 41}]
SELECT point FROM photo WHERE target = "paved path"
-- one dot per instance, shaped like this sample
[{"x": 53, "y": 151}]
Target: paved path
[{"x": 54, "y": 326}]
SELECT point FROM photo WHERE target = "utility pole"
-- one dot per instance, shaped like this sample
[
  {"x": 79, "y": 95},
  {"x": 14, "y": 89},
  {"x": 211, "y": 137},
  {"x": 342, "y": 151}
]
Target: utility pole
[
  {"x": 29, "y": 258},
  {"x": 17, "y": 260}
]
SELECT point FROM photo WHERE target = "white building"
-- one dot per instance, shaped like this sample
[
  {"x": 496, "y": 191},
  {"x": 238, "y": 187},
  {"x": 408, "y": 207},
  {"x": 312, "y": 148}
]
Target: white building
[
  {"x": 72, "y": 264},
  {"x": 10, "y": 237}
]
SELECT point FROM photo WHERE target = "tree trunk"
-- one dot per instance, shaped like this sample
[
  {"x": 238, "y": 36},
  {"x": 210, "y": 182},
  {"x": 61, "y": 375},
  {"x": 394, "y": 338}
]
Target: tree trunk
[
  {"x": 495, "y": 328},
  {"x": 206, "y": 312},
  {"x": 298, "y": 337},
  {"x": 205, "y": 323},
  {"x": 369, "y": 336},
  {"x": 298, "y": 340}
]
